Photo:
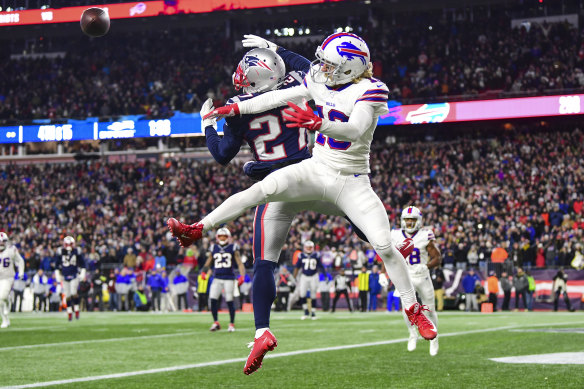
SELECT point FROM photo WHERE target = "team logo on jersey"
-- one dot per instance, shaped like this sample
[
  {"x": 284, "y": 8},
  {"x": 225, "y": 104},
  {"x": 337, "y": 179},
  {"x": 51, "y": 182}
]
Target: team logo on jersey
[
  {"x": 349, "y": 50},
  {"x": 251, "y": 60}
]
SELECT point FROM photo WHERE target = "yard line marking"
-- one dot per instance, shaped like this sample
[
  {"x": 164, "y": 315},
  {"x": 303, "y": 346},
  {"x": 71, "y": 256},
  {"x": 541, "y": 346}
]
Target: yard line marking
[
  {"x": 269, "y": 356},
  {"x": 29, "y": 346}
]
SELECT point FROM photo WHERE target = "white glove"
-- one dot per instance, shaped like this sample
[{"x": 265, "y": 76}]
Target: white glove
[
  {"x": 82, "y": 274},
  {"x": 257, "y": 41},
  {"x": 383, "y": 280},
  {"x": 205, "y": 109}
]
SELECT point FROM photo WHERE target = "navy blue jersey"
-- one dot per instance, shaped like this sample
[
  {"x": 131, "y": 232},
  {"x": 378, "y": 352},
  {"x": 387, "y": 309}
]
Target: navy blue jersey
[
  {"x": 272, "y": 143},
  {"x": 223, "y": 262},
  {"x": 309, "y": 263},
  {"x": 69, "y": 262}
]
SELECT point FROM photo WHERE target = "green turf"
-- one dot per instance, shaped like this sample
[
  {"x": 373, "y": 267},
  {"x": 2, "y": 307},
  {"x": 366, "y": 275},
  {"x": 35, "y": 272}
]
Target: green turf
[{"x": 111, "y": 343}]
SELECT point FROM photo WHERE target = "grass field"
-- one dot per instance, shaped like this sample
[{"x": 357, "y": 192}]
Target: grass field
[{"x": 144, "y": 350}]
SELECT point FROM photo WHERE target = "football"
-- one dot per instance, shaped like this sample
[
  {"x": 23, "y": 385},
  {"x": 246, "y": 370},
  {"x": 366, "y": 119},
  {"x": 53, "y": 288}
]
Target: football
[{"x": 95, "y": 22}]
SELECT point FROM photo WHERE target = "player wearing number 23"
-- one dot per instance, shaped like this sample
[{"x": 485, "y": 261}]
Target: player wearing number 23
[
  {"x": 425, "y": 256},
  {"x": 222, "y": 258}
]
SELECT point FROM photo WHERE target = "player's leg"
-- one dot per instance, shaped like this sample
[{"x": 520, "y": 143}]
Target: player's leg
[
  {"x": 5, "y": 286},
  {"x": 360, "y": 203},
  {"x": 425, "y": 290},
  {"x": 67, "y": 290},
  {"x": 229, "y": 289},
  {"x": 75, "y": 297},
  {"x": 304, "y": 289},
  {"x": 413, "y": 334},
  {"x": 214, "y": 293},
  {"x": 313, "y": 291},
  {"x": 292, "y": 183}
]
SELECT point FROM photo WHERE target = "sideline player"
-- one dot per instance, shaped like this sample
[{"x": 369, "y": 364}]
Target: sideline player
[
  {"x": 309, "y": 262},
  {"x": 9, "y": 258},
  {"x": 274, "y": 146},
  {"x": 349, "y": 102},
  {"x": 424, "y": 257},
  {"x": 221, "y": 258},
  {"x": 70, "y": 264}
]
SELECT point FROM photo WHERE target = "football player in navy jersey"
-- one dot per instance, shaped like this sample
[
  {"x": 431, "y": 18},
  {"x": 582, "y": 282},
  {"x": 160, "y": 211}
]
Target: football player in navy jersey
[
  {"x": 70, "y": 267},
  {"x": 310, "y": 265},
  {"x": 222, "y": 259},
  {"x": 273, "y": 146}
]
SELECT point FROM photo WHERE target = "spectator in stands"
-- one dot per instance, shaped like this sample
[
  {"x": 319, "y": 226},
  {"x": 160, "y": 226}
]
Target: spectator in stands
[
  {"x": 521, "y": 285},
  {"x": 18, "y": 289},
  {"x": 130, "y": 259},
  {"x": 469, "y": 283},
  {"x": 159, "y": 261},
  {"x": 438, "y": 282},
  {"x": 493, "y": 287},
  {"x": 342, "y": 287},
  {"x": 39, "y": 290},
  {"x": 560, "y": 287},
  {"x": 363, "y": 287},
  {"x": 181, "y": 284}
]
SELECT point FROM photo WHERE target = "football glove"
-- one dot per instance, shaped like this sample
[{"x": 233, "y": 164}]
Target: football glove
[
  {"x": 240, "y": 280},
  {"x": 206, "y": 109},
  {"x": 383, "y": 280},
  {"x": 251, "y": 40},
  {"x": 203, "y": 276},
  {"x": 302, "y": 117},
  {"x": 221, "y": 112}
]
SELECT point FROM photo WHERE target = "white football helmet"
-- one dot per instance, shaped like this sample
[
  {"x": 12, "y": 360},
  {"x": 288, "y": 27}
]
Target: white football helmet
[
  {"x": 411, "y": 213},
  {"x": 260, "y": 70},
  {"x": 340, "y": 59},
  {"x": 69, "y": 243},
  {"x": 223, "y": 236},
  {"x": 3, "y": 241},
  {"x": 308, "y": 247}
]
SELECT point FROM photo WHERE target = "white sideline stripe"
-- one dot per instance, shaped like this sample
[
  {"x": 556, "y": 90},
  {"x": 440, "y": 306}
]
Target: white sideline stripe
[
  {"x": 270, "y": 356},
  {"x": 97, "y": 341}
]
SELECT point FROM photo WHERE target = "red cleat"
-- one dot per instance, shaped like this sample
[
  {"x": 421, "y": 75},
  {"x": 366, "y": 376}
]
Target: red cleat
[
  {"x": 185, "y": 233},
  {"x": 406, "y": 247},
  {"x": 260, "y": 346},
  {"x": 425, "y": 327},
  {"x": 77, "y": 315},
  {"x": 70, "y": 316}
]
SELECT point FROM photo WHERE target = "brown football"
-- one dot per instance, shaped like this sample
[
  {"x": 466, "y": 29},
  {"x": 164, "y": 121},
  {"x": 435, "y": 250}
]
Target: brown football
[{"x": 95, "y": 22}]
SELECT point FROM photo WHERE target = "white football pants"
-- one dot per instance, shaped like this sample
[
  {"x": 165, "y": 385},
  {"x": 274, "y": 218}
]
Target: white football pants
[{"x": 310, "y": 180}]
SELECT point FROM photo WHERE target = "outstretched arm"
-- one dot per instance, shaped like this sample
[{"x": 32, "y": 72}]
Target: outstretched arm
[{"x": 222, "y": 149}]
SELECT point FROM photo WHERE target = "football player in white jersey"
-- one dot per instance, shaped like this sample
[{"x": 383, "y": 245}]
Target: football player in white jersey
[
  {"x": 424, "y": 257},
  {"x": 349, "y": 102},
  {"x": 9, "y": 258}
]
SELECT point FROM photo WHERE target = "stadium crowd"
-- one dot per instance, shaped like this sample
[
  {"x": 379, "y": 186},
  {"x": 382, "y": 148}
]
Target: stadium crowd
[
  {"x": 523, "y": 193},
  {"x": 422, "y": 57}
]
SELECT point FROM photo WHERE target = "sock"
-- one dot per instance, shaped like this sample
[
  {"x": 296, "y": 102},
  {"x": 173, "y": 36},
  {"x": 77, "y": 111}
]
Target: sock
[
  {"x": 260, "y": 332},
  {"x": 309, "y": 305},
  {"x": 231, "y": 311},
  {"x": 263, "y": 291},
  {"x": 214, "y": 308},
  {"x": 398, "y": 273}
]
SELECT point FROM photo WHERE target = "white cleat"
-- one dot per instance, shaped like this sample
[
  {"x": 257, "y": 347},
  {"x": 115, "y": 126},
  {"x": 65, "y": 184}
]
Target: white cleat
[
  {"x": 412, "y": 341},
  {"x": 303, "y": 317},
  {"x": 313, "y": 317},
  {"x": 5, "y": 323},
  {"x": 434, "y": 347},
  {"x": 231, "y": 328}
]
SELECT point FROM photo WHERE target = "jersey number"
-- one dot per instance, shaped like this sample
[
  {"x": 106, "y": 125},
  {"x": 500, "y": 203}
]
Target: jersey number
[
  {"x": 5, "y": 262},
  {"x": 69, "y": 261},
  {"x": 222, "y": 260},
  {"x": 334, "y": 144},
  {"x": 415, "y": 256},
  {"x": 274, "y": 130},
  {"x": 309, "y": 263}
]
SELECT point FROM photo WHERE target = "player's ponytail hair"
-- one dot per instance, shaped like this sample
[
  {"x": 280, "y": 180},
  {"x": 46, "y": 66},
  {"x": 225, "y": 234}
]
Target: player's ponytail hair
[{"x": 366, "y": 74}]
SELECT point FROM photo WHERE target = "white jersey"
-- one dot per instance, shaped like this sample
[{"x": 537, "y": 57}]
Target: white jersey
[
  {"x": 419, "y": 258},
  {"x": 9, "y": 259},
  {"x": 336, "y": 104}
]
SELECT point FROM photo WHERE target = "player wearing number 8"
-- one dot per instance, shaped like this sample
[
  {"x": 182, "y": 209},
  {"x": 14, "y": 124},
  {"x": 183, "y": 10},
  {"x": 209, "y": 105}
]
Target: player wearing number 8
[{"x": 424, "y": 256}]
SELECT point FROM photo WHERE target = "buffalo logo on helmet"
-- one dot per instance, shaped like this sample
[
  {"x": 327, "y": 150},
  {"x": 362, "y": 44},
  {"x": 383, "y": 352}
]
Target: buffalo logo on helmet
[{"x": 349, "y": 50}]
